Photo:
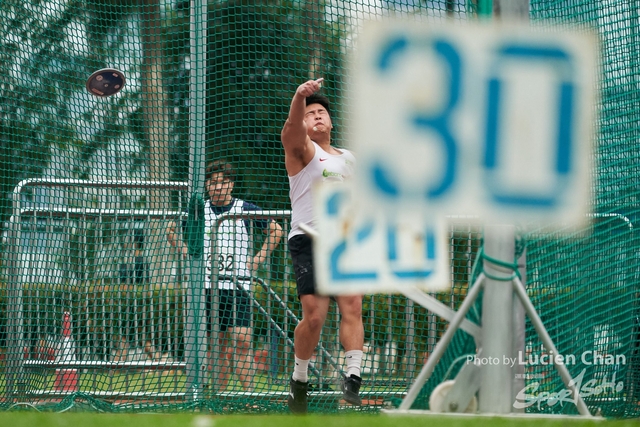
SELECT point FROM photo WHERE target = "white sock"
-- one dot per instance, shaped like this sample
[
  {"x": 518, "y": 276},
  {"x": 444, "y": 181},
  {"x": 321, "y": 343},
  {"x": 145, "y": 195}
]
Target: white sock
[
  {"x": 300, "y": 370},
  {"x": 354, "y": 360}
]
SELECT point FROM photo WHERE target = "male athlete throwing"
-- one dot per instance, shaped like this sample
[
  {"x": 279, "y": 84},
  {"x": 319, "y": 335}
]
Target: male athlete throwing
[{"x": 309, "y": 158}]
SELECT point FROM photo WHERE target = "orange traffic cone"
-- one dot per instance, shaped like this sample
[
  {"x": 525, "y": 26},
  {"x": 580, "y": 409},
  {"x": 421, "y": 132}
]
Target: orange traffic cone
[
  {"x": 260, "y": 359},
  {"x": 66, "y": 379}
]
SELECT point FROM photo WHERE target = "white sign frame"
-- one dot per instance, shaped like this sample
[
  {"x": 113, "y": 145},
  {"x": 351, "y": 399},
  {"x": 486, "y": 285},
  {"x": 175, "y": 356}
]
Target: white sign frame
[
  {"x": 356, "y": 253},
  {"x": 494, "y": 121}
]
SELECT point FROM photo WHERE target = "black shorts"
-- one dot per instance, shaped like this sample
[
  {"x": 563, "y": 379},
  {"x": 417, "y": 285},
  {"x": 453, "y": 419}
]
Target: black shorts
[
  {"x": 301, "y": 249},
  {"x": 228, "y": 317}
]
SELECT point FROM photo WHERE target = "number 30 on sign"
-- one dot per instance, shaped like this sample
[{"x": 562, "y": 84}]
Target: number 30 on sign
[{"x": 494, "y": 121}]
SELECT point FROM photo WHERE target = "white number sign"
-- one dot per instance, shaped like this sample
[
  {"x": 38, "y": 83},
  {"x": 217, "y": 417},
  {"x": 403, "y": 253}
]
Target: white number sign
[
  {"x": 480, "y": 120},
  {"x": 369, "y": 253}
]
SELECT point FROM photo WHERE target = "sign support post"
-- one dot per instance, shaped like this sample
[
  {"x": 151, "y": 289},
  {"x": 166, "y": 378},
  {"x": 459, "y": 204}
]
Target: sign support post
[
  {"x": 496, "y": 378},
  {"x": 493, "y": 397}
]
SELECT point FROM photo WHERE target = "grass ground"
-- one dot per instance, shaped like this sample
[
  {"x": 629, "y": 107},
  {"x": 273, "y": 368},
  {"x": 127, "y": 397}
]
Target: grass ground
[{"x": 34, "y": 419}]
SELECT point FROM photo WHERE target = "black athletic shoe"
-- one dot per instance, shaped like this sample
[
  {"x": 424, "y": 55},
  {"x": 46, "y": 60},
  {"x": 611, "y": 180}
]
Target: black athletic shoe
[
  {"x": 351, "y": 388},
  {"x": 298, "y": 397}
]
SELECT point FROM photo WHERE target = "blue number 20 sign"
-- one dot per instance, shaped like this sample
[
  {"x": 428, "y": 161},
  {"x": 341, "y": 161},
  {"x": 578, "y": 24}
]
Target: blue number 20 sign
[
  {"x": 358, "y": 252},
  {"x": 491, "y": 121}
]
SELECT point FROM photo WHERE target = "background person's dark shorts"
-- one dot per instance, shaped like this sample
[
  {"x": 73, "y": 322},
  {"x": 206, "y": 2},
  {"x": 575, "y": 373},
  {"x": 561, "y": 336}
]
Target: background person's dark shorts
[
  {"x": 301, "y": 249},
  {"x": 226, "y": 315}
]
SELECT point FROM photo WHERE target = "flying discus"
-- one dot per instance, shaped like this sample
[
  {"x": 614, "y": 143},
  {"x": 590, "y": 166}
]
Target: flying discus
[{"x": 105, "y": 82}]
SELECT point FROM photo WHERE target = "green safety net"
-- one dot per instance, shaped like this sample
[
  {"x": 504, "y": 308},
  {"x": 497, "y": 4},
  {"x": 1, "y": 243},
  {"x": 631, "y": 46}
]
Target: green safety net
[{"x": 100, "y": 311}]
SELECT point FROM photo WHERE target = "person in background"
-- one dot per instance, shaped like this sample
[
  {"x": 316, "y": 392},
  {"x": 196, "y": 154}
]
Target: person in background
[{"x": 231, "y": 246}]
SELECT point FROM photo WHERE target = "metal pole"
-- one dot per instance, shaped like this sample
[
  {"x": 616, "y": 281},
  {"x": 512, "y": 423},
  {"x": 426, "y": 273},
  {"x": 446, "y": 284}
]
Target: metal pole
[
  {"x": 15, "y": 374},
  {"x": 516, "y": 10},
  {"x": 550, "y": 346},
  {"x": 195, "y": 332},
  {"x": 519, "y": 333},
  {"x": 497, "y": 333},
  {"x": 442, "y": 345},
  {"x": 484, "y": 7},
  {"x": 197, "y": 103},
  {"x": 511, "y": 9}
]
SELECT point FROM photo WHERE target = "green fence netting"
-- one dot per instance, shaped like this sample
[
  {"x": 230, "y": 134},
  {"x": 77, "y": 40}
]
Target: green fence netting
[{"x": 94, "y": 296}]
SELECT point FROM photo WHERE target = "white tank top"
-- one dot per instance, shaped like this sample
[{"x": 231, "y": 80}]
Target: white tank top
[
  {"x": 323, "y": 167},
  {"x": 231, "y": 250}
]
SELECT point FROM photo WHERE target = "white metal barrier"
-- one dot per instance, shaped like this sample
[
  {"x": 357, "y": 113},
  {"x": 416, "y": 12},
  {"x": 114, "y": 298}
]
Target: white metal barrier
[{"x": 129, "y": 323}]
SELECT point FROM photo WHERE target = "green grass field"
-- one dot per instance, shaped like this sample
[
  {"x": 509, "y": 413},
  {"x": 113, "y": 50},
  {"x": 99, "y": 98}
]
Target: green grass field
[{"x": 35, "y": 419}]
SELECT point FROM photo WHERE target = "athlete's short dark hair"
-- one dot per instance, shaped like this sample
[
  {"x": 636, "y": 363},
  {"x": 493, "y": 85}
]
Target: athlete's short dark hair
[
  {"x": 220, "y": 166},
  {"x": 318, "y": 99}
]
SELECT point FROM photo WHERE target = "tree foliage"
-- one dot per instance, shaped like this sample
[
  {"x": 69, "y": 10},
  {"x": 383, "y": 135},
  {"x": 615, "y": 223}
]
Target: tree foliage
[{"x": 258, "y": 53}]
